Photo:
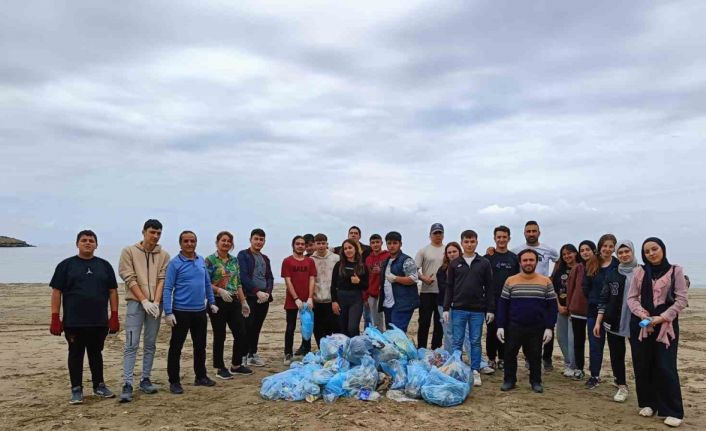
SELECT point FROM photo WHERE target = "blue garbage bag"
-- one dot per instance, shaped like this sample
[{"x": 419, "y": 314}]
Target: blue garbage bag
[
  {"x": 376, "y": 337},
  {"x": 397, "y": 337},
  {"x": 435, "y": 358},
  {"x": 387, "y": 353},
  {"x": 322, "y": 376},
  {"x": 333, "y": 345},
  {"x": 416, "y": 378},
  {"x": 397, "y": 370},
  {"x": 337, "y": 364},
  {"x": 293, "y": 384},
  {"x": 456, "y": 368},
  {"x": 306, "y": 320},
  {"x": 334, "y": 388},
  {"x": 444, "y": 390},
  {"x": 312, "y": 358},
  {"x": 358, "y": 347},
  {"x": 363, "y": 376}
]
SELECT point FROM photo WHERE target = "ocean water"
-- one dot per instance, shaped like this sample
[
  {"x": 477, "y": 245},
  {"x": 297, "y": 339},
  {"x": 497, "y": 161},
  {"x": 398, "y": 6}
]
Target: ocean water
[{"x": 36, "y": 264}]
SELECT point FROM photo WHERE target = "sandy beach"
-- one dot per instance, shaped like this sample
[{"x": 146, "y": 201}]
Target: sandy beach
[{"x": 34, "y": 387}]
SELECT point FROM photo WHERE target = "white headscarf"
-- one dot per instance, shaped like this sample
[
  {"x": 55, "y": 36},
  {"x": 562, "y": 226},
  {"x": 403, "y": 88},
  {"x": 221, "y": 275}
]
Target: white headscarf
[{"x": 626, "y": 268}]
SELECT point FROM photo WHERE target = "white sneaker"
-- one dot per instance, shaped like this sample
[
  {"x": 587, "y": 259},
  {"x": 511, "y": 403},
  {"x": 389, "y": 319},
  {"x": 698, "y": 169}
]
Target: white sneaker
[
  {"x": 621, "y": 395},
  {"x": 672, "y": 421},
  {"x": 487, "y": 370},
  {"x": 647, "y": 412},
  {"x": 476, "y": 378},
  {"x": 255, "y": 361},
  {"x": 569, "y": 372}
]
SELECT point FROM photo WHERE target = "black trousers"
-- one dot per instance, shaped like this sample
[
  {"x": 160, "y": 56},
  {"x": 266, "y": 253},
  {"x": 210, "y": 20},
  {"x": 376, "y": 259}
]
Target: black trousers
[
  {"x": 84, "y": 341},
  {"x": 325, "y": 322},
  {"x": 579, "y": 327},
  {"x": 530, "y": 339},
  {"x": 656, "y": 376},
  {"x": 254, "y": 322},
  {"x": 230, "y": 314},
  {"x": 428, "y": 311},
  {"x": 289, "y": 333},
  {"x": 351, "y": 303},
  {"x": 196, "y": 323},
  {"x": 616, "y": 345},
  {"x": 493, "y": 347}
]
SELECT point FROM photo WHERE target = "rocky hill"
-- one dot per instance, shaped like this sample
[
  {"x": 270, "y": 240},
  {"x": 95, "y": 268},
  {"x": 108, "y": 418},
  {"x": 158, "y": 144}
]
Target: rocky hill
[{"x": 6, "y": 241}]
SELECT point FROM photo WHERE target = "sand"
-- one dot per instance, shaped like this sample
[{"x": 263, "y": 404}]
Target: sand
[{"x": 34, "y": 388}]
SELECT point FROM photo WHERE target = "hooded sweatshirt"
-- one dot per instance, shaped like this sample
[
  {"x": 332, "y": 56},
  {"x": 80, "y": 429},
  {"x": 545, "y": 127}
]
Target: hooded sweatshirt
[
  {"x": 142, "y": 268},
  {"x": 324, "y": 271}
]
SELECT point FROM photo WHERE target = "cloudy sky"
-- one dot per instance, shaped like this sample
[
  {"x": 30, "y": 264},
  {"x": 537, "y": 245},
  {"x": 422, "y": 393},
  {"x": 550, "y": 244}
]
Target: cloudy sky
[{"x": 307, "y": 116}]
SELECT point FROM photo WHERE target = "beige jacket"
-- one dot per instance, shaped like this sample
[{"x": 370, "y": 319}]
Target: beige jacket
[
  {"x": 324, "y": 272},
  {"x": 144, "y": 268}
]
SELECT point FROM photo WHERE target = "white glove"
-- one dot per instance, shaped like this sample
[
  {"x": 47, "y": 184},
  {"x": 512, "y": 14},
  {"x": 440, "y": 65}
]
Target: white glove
[
  {"x": 245, "y": 309},
  {"x": 150, "y": 308},
  {"x": 501, "y": 335},
  {"x": 262, "y": 297},
  {"x": 299, "y": 303},
  {"x": 170, "y": 320},
  {"x": 391, "y": 278},
  {"x": 214, "y": 308},
  {"x": 446, "y": 317},
  {"x": 489, "y": 317},
  {"x": 225, "y": 295},
  {"x": 310, "y": 303},
  {"x": 547, "y": 336}
]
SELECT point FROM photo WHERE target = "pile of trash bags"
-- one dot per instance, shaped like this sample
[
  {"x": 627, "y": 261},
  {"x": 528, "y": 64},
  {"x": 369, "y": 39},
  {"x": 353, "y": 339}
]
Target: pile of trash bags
[{"x": 365, "y": 366}]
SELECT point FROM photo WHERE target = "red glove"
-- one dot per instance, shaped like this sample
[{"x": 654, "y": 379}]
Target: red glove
[
  {"x": 56, "y": 326},
  {"x": 113, "y": 323}
]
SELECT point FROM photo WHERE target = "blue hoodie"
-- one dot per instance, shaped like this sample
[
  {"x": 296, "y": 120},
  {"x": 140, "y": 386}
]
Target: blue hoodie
[{"x": 187, "y": 285}]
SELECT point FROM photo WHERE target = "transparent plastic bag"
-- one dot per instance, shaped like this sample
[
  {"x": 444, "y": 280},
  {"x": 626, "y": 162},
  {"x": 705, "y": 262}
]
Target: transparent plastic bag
[
  {"x": 363, "y": 376},
  {"x": 444, "y": 390},
  {"x": 358, "y": 347},
  {"x": 416, "y": 378},
  {"x": 397, "y": 370},
  {"x": 333, "y": 345},
  {"x": 306, "y": 320},
  {"x": 397, "y": 337},
  {"x": 456, "y": 368}
]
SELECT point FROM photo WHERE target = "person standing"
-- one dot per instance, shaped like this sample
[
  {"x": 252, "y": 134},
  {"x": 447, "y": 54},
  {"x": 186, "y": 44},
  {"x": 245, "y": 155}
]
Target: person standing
[
  {"x": 299, "y": 273},
  {"x": 428, "y": 260},
  {"x": 187, "y": 288},
  {"x": 399, "y": 296},
  {"x": 597, "y": 268},
  {"x": 233, "y": 309},
  {"x": 325, "y": 321},
  {"x": 470, "y": 298},
  {"x": 657, "y": 293},
  {"x": 578, "y": 305},
  {"x": 451, "y": 252},
  {"x": 528, "y": 310},
  {"x": 504, "y": 264},
  {"x": 84, "y": 285},
  {"x": 373, "y": 263},
  {"x": 309, "y": 245},
  {"x": 560, "y": 279},
  {"x": 142, "y": 267},
  {"x": 349, "y": 281},
  {"x": 258, "y": 282},
  {"x": 614, "y": 314}
]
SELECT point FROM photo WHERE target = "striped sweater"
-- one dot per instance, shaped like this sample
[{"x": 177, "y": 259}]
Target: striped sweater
[{"x": 527, "y": 300}]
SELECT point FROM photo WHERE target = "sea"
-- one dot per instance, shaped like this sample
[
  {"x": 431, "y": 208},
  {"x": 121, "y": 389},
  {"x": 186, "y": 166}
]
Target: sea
[{"x": 36, "y": 264}]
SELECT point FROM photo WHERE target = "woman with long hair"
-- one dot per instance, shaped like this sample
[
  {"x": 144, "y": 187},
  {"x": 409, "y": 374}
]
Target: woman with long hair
[
  {"x": 614, "y": 315},
  {"x": 597, "y": 267},
  {"x": 451, "y": 252},
  {"x": 349, "y": 280},
  {"x": 578, "y": 305},
  {"x": 658, "y": 293},
  {"x": 568, "y": 259}
]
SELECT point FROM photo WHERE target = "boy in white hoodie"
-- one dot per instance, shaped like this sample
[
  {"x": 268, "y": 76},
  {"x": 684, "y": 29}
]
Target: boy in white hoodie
[{"x": 325, "y": 322}]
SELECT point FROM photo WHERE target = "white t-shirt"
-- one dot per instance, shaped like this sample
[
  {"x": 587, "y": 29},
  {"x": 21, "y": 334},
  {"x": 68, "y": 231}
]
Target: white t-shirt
[
  {"x": 429, "y": 260},
  {"x": 546, "y": 254},
  {"x": 469, "y": 259}
]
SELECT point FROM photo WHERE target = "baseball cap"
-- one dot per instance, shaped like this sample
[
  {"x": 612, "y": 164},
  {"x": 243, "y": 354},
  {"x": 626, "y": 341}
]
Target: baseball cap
[{"x": 436, "y": 227}]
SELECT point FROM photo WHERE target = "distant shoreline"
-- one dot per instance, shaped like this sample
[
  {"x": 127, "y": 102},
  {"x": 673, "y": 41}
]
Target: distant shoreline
[{"x": 9, "y": 242}]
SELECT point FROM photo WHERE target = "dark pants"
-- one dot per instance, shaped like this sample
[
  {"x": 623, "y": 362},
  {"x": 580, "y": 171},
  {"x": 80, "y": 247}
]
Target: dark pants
[
  {"x": 596, "y": 345},
  {"x": 530, "y": 339},
  {"x": 656, "y": 376},
  {"x": 254, "y": 322},
  {"x": 394, "y": 316},
  {"x": 351, "y": 303},
  {"x": 325, "y": 322},
  {"x": 616, "y": 345},
  {"x": 195, "y": 322},
  {"x": 579, "y": 327},
  {"x": 84, "y": 341},
  {"x": 428, "y": 309},
  {"x": 289, "y": 333},
  {"x": 229, "y": 313},
  {"x": 493, "y": 347}
]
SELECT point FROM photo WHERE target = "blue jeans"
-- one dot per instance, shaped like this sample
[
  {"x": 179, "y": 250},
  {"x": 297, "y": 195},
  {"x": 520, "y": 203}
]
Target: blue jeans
[
  {"x": 595, "y": 348},
  {"x": 135, "y": 319},
  {"x": 367, "y": 318},
  {"x": 398, "y": 318},
  {"x": 472, "y": 321},
  {"x": 565, "y": 337}
]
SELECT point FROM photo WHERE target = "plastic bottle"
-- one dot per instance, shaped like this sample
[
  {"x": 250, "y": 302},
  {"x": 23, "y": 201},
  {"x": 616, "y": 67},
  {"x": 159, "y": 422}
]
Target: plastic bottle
[
  {"x": 368, "y": 395},
  {"x": 644, "y": 323}
]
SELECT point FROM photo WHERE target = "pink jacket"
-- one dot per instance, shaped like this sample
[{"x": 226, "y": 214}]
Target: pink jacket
[{"x": 660, "y": 289}]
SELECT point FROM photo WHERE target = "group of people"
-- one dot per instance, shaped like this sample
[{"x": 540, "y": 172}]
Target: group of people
[{"x": 589, "y": 293}]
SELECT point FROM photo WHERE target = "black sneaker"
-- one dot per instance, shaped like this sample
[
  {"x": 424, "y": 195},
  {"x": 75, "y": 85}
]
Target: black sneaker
[
  {"x": 240, "y": 370},
  {"x": 204, "y": 381},
  {"x": 102, "y": 391},
  {"x": 126, "y": 394},
  {"x": 537, "y": 387},
  {"x": 147, "y": 387},
  {"x": 224, "y": 374},
  {"x": 176, "y": 388},
  {"x": 507, "y": 386},
  {"x": 548, "y": 366},
  {"x": 300, "y": 351},
  {"x": 592, "y": 382},
  {"x": 76, "y": 395}
]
